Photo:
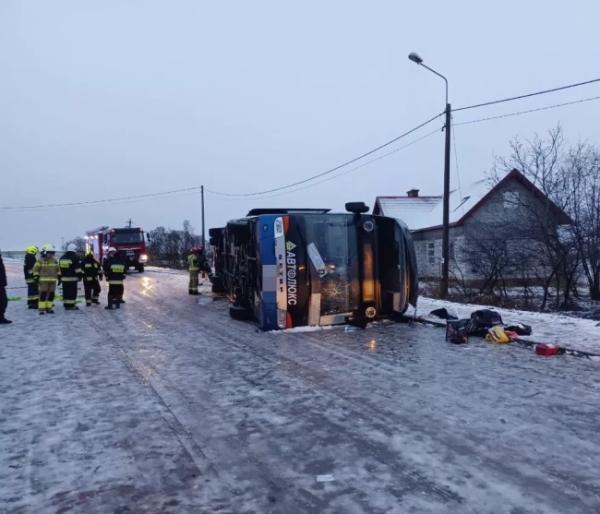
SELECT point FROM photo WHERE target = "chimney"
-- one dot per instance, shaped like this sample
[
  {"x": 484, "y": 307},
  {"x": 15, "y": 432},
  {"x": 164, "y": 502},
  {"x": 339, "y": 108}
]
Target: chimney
[{"x": 413, "y": 193}]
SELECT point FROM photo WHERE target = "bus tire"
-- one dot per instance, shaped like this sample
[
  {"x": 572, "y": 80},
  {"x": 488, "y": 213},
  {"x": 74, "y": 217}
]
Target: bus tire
[
  {"x": 140, "y": 268},
  {"x": 240, "y": 313}
]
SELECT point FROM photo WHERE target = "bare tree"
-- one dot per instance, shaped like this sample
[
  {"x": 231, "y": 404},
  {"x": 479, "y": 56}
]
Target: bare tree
[
  {"x": 583, "y": 168},
  {"x": 558, "y": 173},
  {"x": 79, "y": 243}
]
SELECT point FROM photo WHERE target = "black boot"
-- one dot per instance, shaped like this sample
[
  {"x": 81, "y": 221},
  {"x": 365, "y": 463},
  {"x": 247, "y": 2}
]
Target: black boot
[{"x": 4, "y": 321}]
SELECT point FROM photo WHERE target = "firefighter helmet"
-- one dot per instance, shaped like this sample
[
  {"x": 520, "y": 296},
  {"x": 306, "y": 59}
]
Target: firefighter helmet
[
  {"x": 32, "y": 250},
  {"x": 71, "y": 247},
  {"x": 112, "y": 249}
]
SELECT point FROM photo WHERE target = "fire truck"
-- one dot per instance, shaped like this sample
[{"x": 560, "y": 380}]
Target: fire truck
[{"x": 128, "y": 241}]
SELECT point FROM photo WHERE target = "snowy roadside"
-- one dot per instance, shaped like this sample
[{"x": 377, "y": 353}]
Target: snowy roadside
[{"x": 575, "y": 333}]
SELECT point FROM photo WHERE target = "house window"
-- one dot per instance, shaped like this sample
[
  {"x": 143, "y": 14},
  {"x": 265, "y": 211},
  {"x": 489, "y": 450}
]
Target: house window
[
  {"x": 431, "y": 253},
  {"x": 510, "y": 199}
]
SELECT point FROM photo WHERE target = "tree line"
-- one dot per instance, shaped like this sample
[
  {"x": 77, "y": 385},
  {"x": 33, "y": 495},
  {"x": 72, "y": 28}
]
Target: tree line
[{"x": 169, "y": 247}]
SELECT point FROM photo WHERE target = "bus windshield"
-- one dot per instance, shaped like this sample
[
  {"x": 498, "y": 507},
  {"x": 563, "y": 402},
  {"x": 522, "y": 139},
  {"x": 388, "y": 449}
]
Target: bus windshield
[
  {"x": 127, "y": 237},
  {"x": 331, "y": 243}
]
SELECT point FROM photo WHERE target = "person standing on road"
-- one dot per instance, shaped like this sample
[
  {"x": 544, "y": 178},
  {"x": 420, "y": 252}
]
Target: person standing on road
[
  {"x": 71, "y": 273},
  {"x": 3, "y": 297},
  {"x": 92, "y": 274},
  {"x": 33, "y": 294},
  {"x": 46, "y": 272},
  {"x": 114, "y": 271},
  {"x": 194, "y": 270}
]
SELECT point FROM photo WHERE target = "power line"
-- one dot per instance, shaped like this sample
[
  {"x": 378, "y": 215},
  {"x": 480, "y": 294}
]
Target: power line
[
  {"x": 536, "y": 93},
  {"x": 105, "y": 200},
  {"x": 331, "y": 170},
  {"x": 338, "y": 167},
  {"x": 346, "y": 172},
  {"x": 197, "y": 188},
  {"x": 518, "y": 113}
]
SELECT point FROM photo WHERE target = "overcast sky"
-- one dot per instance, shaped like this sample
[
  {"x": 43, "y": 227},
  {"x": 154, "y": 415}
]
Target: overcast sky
[{"x": 114, "y": 98}]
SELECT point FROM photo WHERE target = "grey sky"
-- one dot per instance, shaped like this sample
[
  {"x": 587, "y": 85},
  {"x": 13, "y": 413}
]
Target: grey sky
[{"x": 104, "y": 99}]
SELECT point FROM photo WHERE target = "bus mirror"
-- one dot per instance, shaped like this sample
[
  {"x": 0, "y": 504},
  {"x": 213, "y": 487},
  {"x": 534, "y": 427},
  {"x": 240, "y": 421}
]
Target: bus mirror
[{"x": 357, "y": 207}]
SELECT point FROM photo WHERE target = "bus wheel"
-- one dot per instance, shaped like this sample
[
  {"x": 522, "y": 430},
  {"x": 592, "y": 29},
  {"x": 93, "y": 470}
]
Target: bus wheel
[
  {"x": 140, "y": 268},
  {"x": 240, "y": 313}
]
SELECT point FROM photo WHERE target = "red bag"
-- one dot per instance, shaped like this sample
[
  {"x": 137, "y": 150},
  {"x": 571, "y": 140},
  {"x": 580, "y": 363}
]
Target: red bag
[{"x": 548, "y": 349}]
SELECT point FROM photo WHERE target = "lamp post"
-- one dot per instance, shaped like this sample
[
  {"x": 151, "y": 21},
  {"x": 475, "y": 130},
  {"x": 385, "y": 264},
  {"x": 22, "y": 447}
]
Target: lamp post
[{"x": 414, "y": 57}]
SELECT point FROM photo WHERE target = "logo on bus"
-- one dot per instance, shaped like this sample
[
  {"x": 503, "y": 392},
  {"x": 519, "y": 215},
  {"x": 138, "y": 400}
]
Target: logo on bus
[{"x": 292, "y": 273}]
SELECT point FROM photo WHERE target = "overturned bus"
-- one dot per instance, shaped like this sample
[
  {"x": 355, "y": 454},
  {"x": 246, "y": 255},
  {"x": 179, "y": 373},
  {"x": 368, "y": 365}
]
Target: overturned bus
[{"x": 286, "y": 268}]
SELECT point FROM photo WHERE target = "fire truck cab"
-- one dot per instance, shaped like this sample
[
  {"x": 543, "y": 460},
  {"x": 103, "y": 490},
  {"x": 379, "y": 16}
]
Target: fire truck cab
[{"x": 129, "y": 242}]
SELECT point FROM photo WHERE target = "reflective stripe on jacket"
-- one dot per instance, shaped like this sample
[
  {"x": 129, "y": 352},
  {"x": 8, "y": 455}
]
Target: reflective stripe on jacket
[
  {"x": 114, "y": 270},
  {"x": 91, "y": 268},
  {"x": 46, "y": 270},
  {"x": 70, "y": 267},
  {"x": 193, "y": 262}
]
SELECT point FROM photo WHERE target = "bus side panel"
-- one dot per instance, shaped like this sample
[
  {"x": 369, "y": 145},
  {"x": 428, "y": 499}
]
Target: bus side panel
[{"x": 266, "y": 309}]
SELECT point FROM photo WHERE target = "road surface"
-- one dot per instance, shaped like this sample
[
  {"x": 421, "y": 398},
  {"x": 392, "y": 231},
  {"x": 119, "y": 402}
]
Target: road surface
[{"x": 167, "y": 405}]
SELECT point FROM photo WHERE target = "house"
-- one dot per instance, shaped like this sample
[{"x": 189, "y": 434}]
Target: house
[{"x": 483, "y": 218}]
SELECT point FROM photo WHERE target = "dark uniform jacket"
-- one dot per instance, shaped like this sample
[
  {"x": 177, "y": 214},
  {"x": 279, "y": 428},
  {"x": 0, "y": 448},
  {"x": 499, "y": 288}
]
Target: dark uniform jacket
[
  {"x": 91, "y": 269},
  {"x": 30, "y": 261},
  {"x": 114, "y": 269},
  {"x": 2, "y": 273},
  {"x": 70, "y": 267}
]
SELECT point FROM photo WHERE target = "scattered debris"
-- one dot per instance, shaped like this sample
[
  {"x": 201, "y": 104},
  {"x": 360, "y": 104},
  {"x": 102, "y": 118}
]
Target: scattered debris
[{"x": 443, "y": 313}]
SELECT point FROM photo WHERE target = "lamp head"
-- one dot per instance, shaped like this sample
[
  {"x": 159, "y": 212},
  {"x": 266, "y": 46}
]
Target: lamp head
[{"x": 415, "y": 57}]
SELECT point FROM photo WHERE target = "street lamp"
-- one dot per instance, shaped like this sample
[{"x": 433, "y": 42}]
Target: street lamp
[{"x": 416, "y": 58}]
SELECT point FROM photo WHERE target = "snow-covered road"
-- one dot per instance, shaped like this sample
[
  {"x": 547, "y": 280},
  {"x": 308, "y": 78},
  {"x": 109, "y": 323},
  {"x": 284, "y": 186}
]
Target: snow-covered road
[{"x": 169, "y": 406}]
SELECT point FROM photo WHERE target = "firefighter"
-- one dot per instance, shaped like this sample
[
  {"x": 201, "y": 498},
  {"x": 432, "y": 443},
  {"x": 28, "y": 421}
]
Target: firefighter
[
  {"x": 32, "y": 286},
  {"x": 92, "y": 274},
  {"x": 194, "y": 270},
  {"x": 114, "y": 272},
  {"x": 3, "y": 296},
  {"x": 71, "y": 273},
  {"x": 46, "y": 272}
]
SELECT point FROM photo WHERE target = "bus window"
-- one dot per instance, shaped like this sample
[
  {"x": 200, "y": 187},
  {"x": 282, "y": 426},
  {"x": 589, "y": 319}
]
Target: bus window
[{"x": 333, "y": 239}]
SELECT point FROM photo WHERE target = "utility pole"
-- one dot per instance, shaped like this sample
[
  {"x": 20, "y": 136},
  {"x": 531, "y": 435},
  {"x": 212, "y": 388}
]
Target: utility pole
[
  {"x": 129, "y": 221},
  {"x": 202, "y": 200},
  {"x": 416, "y": 58},
  {"x": 446, "y": 221}
]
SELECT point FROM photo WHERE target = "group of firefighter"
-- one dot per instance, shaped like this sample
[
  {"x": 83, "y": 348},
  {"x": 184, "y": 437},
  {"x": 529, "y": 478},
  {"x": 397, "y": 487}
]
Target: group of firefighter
[{"x": 45, "y": 272}]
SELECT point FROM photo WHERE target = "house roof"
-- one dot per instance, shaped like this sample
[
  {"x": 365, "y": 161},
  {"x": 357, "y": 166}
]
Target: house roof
[{"x": 426, "y": 212}]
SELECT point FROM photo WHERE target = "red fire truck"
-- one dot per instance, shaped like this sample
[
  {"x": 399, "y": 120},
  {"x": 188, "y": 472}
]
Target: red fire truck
[{"x": 128, "y": 241}]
